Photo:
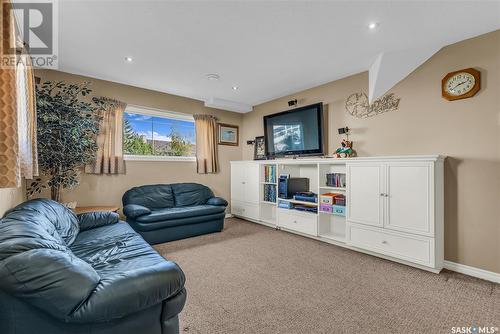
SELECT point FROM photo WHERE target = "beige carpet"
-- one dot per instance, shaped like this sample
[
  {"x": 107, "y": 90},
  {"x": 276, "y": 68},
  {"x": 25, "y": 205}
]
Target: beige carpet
[{"x": 254, "y": 279}]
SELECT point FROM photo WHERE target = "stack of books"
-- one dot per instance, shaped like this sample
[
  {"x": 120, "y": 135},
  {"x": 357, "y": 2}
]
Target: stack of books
[
  {"x": 337, "y": 180},
  {"x": 269, "y": 193},
  {"x": 270, "y": 174}
]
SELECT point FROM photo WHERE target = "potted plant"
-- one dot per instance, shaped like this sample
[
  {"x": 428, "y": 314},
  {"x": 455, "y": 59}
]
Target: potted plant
[{"x": 67, "y": 127}]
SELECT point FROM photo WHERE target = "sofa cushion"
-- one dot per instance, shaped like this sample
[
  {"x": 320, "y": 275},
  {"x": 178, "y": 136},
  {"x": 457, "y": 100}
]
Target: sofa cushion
[
  {"x": 189, "y": 194},
  {"x": 48, "y": 213},
  {"x": 180, "y": 212},
  {"x": 133, "y": 275},
  {"x": 151, "y": 196},
  {"x": 166, "y": 224},
  {"x": 114, "y": 248}
]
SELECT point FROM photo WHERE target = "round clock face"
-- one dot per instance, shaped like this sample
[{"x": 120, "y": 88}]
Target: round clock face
[{"x": 460, "y": 84}]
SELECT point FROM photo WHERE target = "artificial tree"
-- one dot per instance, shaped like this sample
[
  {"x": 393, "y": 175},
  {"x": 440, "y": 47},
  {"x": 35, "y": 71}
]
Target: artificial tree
[{"x": 67, "y": 127}]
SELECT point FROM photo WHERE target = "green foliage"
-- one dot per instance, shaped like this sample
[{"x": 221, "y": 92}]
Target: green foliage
[
  {"x": 67, "y": 126},
  {"x": 133, "y": 143},
  {"x": 178, "y": 145}
]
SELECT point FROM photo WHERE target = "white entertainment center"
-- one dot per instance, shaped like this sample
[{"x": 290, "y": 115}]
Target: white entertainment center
[{"x": 394, "y": 205}]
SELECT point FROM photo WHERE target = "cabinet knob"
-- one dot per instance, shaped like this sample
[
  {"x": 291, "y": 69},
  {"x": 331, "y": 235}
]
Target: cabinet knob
[
  {"x": 243, "y": 182},
  {"x": 382, "y": 194},
  {"x": 384, "y": 242}
]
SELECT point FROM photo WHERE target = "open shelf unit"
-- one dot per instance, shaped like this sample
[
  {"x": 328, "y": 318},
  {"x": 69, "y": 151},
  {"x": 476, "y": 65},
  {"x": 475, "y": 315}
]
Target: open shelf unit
[
  {"x": 327, "y": 226},
  {"x": 268, "y": 193},
  {"x": 330, "y": 225}
]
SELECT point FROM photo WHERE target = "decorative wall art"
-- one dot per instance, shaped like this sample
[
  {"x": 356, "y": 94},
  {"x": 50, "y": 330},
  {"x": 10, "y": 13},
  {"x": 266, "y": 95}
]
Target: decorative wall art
[
  {"x": 358, "y": 106},
  {"x": 259, "y": 152},
  {"x": 228, "y": 134}
]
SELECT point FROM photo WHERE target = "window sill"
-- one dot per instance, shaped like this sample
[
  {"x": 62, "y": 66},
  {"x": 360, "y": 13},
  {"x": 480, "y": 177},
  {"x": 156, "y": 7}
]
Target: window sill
[{"x": 158, "y": 158}]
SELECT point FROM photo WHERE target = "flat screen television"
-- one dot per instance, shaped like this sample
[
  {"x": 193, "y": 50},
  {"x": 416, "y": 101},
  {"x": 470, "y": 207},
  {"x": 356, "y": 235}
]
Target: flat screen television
[{"x": 295, "y": 132}]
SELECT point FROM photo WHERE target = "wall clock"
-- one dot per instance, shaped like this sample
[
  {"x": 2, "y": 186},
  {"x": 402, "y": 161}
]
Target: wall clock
[{"x": 461, "y": 84}]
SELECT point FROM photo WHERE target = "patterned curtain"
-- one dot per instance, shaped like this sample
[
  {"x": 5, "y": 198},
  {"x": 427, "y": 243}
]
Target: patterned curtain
[
  {"x": 109, "y": 155},
  {"x": 207, "y": 161},
  {"x": 9, "y": 170}
]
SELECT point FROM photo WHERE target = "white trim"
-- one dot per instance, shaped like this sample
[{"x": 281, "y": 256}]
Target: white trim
[
  {"x": 472, "y": 271},
  {"x": 158, "y": 158},
  {"x": 134, "y": 109},
  {"x": 228, "y": 215}
]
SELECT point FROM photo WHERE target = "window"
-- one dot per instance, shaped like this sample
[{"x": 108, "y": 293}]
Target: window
[{"x": 158, "y": 135}]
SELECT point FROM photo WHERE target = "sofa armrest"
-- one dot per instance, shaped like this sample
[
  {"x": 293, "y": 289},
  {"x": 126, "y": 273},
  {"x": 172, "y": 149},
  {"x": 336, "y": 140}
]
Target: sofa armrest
[
  {"x": 51, "y": 280},
  {"x": 218, "y": 201},
  {"x": 130, "y": 292},
  {"x": 135, "y": 210},
  {"x": 91, "y": 220}
]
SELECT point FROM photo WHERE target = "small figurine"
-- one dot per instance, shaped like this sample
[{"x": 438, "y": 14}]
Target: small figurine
[{"x": 345, "y": 150}]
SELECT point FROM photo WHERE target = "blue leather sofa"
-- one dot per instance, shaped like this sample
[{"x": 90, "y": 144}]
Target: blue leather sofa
[
  {"x": 60, "y": 273},
  {"x": 166, "y": 212}
]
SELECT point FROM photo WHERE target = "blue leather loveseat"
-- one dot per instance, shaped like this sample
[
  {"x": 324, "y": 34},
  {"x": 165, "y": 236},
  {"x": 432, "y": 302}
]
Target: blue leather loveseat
[
  {"x": 60, "y": 273},
  {"x": 166, "y": 212}
]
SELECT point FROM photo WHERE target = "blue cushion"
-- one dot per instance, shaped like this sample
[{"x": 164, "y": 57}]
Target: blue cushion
[
  {"x": 189, "y": 194},
  {"x": 173, "y": 223},
  {"x": 180, "y": 212},
  {"x": 92, "y": 220},
  {"x": 50, "y": 214},
  {"x": 151, "y": 196},
  {"x": 135, "y": 210}
]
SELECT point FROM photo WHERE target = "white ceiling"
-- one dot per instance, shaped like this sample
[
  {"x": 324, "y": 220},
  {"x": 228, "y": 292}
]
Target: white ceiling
[{"x": 267, "y": 49}]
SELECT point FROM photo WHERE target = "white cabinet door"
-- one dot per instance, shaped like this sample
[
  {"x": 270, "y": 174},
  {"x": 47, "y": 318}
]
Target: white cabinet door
[
  {"x": 238, "y": 172},
  {"x": 409, "y": 203},
  {"x": 365, "y": 193},
  {"x": 245, "y": 182},
  {"x": 252, "y": 183}
]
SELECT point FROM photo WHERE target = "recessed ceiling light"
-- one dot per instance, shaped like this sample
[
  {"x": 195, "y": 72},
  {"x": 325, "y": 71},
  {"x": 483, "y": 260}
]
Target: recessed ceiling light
[
  {"x": 213, "y": 76},
  {"x": 372, "y": 25},
  {"x": 129, "y": 59},
  {"x": 235, "y": 87}
]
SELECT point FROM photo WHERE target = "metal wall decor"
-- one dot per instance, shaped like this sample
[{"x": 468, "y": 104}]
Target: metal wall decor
[{"x": 358, "y": 106}]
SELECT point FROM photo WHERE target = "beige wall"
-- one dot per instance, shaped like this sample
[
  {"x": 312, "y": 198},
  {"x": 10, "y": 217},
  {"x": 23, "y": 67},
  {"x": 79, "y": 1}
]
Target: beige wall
[
  {"x": 10, "y": 197},
  {"x": 108, "y": 189},
  {"x": 467, "y": 131}
]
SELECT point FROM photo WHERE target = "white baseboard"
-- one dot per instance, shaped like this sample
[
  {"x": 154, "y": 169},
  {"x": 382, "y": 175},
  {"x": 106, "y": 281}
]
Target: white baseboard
[
  {"x": 472, "y": 271},
  {"x": 228, "y": 215}
]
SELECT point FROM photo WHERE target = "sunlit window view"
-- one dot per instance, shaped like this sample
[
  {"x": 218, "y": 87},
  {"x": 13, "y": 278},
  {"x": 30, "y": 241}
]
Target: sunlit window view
[{"x": 148, "y": 135}]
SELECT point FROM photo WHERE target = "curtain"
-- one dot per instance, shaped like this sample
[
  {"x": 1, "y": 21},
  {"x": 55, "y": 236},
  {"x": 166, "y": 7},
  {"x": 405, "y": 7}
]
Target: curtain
[
  {"x": 109, "y": 155},
  {"x": 207, "y": 161},
  {"x": 31, "y": 91},
  {"x": 9, "y": 168},
  {"x": 26, "y": 118}
]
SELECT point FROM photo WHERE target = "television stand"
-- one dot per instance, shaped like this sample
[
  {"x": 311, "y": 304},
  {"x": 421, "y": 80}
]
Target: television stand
[{"x": 393, "y": 205}]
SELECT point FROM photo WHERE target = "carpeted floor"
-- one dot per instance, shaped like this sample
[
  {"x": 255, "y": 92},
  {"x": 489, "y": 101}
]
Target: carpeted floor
[{"x": 254, "y": 279}]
